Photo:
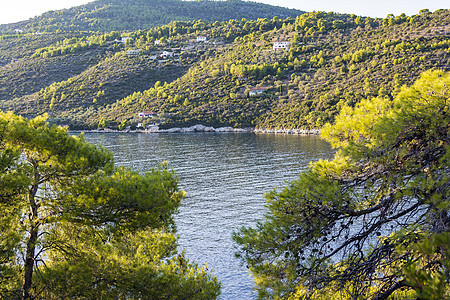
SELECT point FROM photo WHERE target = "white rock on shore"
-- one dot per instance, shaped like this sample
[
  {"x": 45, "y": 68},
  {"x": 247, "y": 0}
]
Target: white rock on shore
[
  {"x": 289, "y": 131},
  {"x": 202, "y": 128}
]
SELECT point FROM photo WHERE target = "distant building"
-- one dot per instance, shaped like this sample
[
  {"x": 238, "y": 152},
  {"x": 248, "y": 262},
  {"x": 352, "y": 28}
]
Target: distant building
[
  {"x": 157, "y": 42},
  {"x": 281, "y": 46},
  {"x": 166, "y": 54},
  {"x": 147, "y": 114},
  {"x": 132, "y": 52},
  {"x": 124, "y": 39},
  {"x": 256, "y": 91},
  {"x": 201, "y": 39},
  {"x": 18, "y": 30},
  {"x": 153, "y": 127}
]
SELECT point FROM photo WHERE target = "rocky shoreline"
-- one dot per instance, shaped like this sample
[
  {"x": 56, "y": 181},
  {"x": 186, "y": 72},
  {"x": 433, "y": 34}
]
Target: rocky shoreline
[
  {"x": 289, "y": 131},
  {"x": 202, "y": 128}
]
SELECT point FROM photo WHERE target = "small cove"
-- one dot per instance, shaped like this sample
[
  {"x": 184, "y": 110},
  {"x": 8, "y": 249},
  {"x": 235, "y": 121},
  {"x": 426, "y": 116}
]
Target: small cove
[{"x": 225, "y": 176}]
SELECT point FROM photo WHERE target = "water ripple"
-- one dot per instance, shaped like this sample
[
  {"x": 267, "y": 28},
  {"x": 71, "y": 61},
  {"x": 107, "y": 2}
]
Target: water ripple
[{"x": 225, "y": 177}]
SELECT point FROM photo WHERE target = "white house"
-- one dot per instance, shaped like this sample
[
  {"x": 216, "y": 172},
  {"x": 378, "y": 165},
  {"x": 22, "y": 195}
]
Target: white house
[
  {"x": 256, "y": 91},
  {"x": 132, "y": 52},
  {"x": 281, "y": 46},
  {"x": 166, "y": 54},
  {"x": 201, "y": 39},
  {"x": 18, "y": 30},
  {"x": 147, "y": 114},
  {"x": 124, "y": 39},
  {"x": 153, "y": 127},
  {"x": 157, "y": 42}
]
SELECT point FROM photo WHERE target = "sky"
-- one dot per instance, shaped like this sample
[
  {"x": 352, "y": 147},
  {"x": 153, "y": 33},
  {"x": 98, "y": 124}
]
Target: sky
[{"x": 20, "y": 10}]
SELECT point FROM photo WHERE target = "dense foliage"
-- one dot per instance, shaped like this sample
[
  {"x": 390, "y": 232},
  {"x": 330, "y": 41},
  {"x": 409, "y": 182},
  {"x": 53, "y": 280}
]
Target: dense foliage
[
  {"x": 374, "y": 222},
  {"x": 22, "y": 74},
  {"x": 333, "y": 60},
  {"x": 72, "y": 225},
  {"x": 121, "y": 15},
  {"x": 326, "y": 68}
]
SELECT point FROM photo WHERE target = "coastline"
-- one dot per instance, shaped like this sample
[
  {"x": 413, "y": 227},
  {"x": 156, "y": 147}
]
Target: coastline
[{"x": 202, "y": 128}]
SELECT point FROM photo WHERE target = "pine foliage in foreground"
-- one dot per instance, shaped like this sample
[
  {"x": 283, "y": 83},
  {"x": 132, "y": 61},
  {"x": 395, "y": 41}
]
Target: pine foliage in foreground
[{"x": 372, "y": 223}]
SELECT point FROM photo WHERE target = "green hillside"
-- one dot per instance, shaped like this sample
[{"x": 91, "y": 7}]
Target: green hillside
[
  {"x": 22, "y": 74},
  {"x": 333, "y": 60},
  {"x": 115, "y": 75},
  {"x": 128, "y": 15}
]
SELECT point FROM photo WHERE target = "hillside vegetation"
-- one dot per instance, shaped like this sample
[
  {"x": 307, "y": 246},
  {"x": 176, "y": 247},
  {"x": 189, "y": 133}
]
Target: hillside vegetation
[
  {"x": 333, "y": 60},
  {"x": 128, "y": 15}
]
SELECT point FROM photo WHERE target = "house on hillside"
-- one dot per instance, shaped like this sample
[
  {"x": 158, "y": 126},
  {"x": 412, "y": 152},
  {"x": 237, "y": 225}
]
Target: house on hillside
[
  {"x": 147, "y": 114},
  {"x": 201, "y": 39},
  {"x": 132, "y": 52},
  {"x": 124, "y": 39},
  {"x": 256, "y": 91},
  {"x": 281, "y": 46},
  {"x": 166, "y": 54}
]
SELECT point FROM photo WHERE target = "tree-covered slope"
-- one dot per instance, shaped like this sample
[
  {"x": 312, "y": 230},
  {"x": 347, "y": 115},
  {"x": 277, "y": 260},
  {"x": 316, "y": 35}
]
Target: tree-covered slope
[
  {"x": 107, "y": 15},
  {"x": 83, "y": 90},
  {"x": 22, "y": 72},
  {"x": 79, "y": 98},
  {"x": 26, "y": 76},
  {"x": 333, "y": 60}
]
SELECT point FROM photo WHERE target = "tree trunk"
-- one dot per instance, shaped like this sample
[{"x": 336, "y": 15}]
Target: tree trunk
[
  {"x": 29, "y": 262},
  {"x": 31, "y": 244}
]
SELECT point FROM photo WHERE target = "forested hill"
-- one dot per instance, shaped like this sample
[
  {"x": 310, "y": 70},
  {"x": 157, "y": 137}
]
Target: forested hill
[
  {"x": 333, "y": 60},
  {"x": 107, "y": 15},
  {"x": 88, "y": 80}
]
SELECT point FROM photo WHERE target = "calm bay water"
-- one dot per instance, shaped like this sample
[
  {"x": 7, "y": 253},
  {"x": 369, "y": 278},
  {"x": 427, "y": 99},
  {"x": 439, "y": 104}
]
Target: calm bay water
[{"x": 225, "y": 176}]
